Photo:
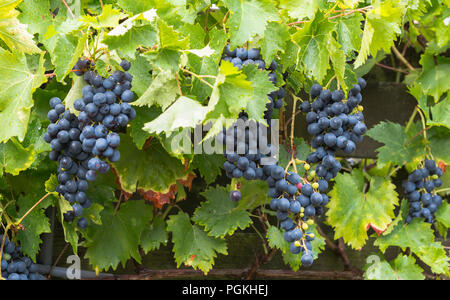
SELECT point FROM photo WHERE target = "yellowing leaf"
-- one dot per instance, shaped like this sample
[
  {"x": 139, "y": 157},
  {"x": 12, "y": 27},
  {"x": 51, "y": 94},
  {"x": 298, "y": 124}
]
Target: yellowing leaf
[
  {"x": 352, "y": 212},
  {"x": 17, "y": 84}
]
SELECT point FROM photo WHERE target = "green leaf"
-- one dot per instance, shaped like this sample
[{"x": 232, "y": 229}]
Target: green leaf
[
  {"x": 162, "y": 91},
  {"x": 15, "y": 158},
  {"x": 313, "y": 41},
  {"x": 192, "y": 245},
  {"x": 74, "y": 93},
  {"x": 396, "y": 149},
  {"x": 118, "y": 238},
  {"x": 242, "y": 21},
  {"x": 275, "y": 38},
  {"x": 338, "y": 59},
  {"x": 349, "y": 32},
  {"x": 254, "y": 194},
  {"x": 261, "y": 88},
  {"x": 110, "y": 17},
  {"x": 219, "y": 214},
  {"x": 169, "y": 38},
  {"x": 143, "y": 115},
  {"x": 65, "y": 45},
  {"x": 231, "y": 94},
  {"x": 35, "y": 135},
  {"x": 133, "y": 168},
  {"x": 434, "y": 79},
  {"x": 209, "y": 166},
  {"x": 300, "y": 9},
  {"x": 127, "y": 43},
  {"x": 175, "y": 116},
  {"x": 382, "y": 24},
  {"x": 37, "y": 15},
  {"x": 13, "y": 33},
  {"x": 140, "y": 70},
  {"x": 441, "y": 113},
  {"x": 17, "y": 84},
  {"x": 34, "y": 225},
  {"x": 402, "y": 268},
  {"x": 155, "y": 235},
  {"x": 443, "y": 214},
  {"x": 419, "y": 237},
  {"x": 352, "y": 212}
]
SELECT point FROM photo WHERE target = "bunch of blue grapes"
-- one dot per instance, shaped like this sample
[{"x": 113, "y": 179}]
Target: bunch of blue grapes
[
  {"x": 63, "y": 135},
  {"x": 335, "y": 124},
  {"x": 292, "y": 208},
  {"x": 242, "y": 57},
  {"x": 419, "y": 190},
  {"x": 81, "y": 144},
  {"x": 15, "y": 265}
]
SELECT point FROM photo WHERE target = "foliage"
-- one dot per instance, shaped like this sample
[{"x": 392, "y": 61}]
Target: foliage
[{"x": 175, "y": 50}]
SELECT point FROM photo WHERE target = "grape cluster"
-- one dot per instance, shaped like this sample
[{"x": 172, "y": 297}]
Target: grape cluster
[
  {"x": 247, "y": 164},
  {"x": 63, "y": 134},
  {"x": 419, "y": 187},
  {"x": 15, "y": 265},
  {"x": 335, "y": 124},
  {"x": 242, "y": 57},
  {"x": 291, "y": 208},
  {"x": 82, "y": 144}
]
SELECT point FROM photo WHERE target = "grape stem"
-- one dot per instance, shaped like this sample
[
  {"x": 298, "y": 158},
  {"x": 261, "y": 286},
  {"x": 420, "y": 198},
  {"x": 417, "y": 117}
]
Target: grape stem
[
  {"x": 392, "y": 69},
  {"x": 200, "y": 77},
  {"x": 68, "y": 8},
  {"x": 178, "y": 84},
  {"x": 402, "y": 58},
  {"x": 342, "y": 14},
  {"x": 31, "y": 209}
]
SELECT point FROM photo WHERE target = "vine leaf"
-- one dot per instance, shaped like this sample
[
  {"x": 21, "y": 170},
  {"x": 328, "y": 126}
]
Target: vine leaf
[
  {"x": 208, "y": 165},
  {"x": 127, "y": 43},
  {"x": 18, "y": 82},
  {"x": 352, "y": 212},
  {"x": 143, "y": 115},
  {"x": 64, "y": 46},
  {"x": 219, "y": 214},
  {"x": 396, "y": 149},
  {"x": 34, "y": 224},
  {"x": 443, "y": 214},
  {"x": 254, "y": 194},
  {"x": 434, "y": 78},
  {"x": 110, "y": 17},
  {"x": 349, "y": 32},
  {"x": 175, "y": 117},
  {"x": 231, "y": 94},
  {"x": 162, "y": 91},
  {"x": 419, "y": 237},
  {"x": 402, "y": 268},
  {"x": 300, "y": 9},
  {"x": 155, "y": 235},
  {"x": 242, "y": 22},
  {"x": 313, "y": 40},
  {"x": 192, "y": 245},
  {"x": 13, "y": 33},
  {"x": 15, "y": 158},
  {"x": 74, "y": 93},
  {"x": 133, "y": 171},
  {"x": 104, "y": 250},
  {"x": 382, "y": 24},
  {"x": 275, "y": 38},
  {"x": 261, "y": 88}
]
